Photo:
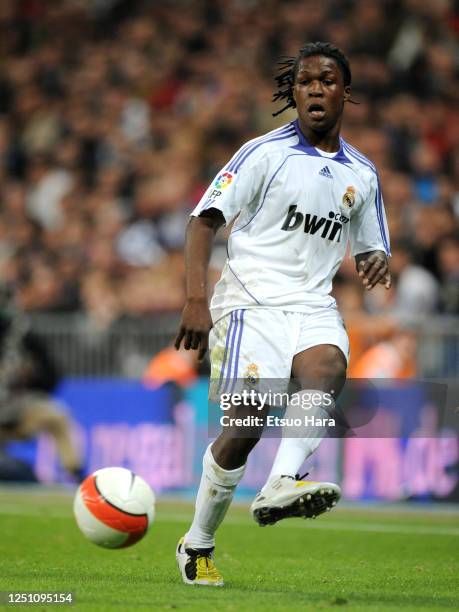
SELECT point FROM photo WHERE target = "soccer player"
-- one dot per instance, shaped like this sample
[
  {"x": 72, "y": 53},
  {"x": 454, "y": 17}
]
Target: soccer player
[{"x": 297, "y": 196}]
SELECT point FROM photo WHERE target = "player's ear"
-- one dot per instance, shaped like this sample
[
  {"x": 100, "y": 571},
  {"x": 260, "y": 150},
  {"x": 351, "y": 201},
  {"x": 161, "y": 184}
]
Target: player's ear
[{"x": 347, "y": 93}]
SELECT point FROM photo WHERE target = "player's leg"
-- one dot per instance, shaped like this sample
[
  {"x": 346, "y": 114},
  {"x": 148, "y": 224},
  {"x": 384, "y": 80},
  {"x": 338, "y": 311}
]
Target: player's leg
[
  {"x": 320, "y": 370},
  {"x": 239, "y": 344},
  {"x": 220, "y": 477}
]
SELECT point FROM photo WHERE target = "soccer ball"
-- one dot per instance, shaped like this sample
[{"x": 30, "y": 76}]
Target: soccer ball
[{"x": 114, "y": 508}]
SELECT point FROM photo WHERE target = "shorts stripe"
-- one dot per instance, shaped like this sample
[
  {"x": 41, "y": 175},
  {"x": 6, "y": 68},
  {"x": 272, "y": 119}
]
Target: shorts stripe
[
  {"x": 236, "y": 367},
  {"x": 231, "y": 353},
  {"x": 228, "y": 335}
]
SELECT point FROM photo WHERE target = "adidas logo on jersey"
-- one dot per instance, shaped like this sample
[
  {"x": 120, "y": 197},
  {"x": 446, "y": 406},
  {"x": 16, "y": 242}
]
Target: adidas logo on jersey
[
  {"x": 326, "y": 172},
  {"x": 330, "y": 227}
]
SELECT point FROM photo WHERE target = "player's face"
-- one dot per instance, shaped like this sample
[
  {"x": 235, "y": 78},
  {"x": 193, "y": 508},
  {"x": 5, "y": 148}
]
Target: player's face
[{"x": 319, "y": 93}]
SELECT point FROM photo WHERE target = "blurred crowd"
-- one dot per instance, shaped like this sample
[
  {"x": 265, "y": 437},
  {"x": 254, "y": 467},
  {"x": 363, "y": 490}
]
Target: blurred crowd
[{"x": 116, "y": 114}]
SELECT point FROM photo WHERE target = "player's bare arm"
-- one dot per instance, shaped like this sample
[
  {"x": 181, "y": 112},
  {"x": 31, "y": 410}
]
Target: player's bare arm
[
  {"x": 196, "y": 321},
  {"x": 373, "y": 269}
]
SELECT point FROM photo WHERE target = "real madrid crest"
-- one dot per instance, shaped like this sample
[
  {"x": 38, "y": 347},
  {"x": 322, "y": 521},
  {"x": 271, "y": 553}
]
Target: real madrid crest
[
  {"x": 349, "y": 196},
  {"x": 251, "y": 375}
]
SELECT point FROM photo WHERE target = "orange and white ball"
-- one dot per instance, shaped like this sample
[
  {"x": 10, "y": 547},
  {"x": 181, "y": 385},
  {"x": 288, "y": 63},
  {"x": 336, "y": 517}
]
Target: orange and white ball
[{"x": 114, "y": 507}]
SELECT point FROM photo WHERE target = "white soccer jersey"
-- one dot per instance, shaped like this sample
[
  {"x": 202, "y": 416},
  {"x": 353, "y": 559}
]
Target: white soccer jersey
[{"x": 296, "y": 210}]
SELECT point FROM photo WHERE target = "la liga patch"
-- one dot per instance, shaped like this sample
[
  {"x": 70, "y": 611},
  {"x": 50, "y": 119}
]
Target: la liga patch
[{"x": 224, "y": 180}]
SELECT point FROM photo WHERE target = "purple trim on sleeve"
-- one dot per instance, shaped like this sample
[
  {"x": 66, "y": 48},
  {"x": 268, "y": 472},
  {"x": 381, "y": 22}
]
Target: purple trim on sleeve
[
  {"x": 260, "y": 140},
  {"x": 259, "y": 144},
  {"x": 358, "y": 155},
  {"x": 378, "y": 200}
]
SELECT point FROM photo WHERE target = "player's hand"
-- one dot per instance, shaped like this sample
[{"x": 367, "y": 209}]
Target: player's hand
[
  {"x": 194, "y": 327},
  {"x": 373, "y": 269}
]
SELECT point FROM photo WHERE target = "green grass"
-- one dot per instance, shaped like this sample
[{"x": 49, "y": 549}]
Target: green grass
[{"x": 355, "y": 560}]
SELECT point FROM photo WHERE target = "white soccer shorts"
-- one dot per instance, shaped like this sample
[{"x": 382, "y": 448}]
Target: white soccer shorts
[{"x": 259, "y": 344}]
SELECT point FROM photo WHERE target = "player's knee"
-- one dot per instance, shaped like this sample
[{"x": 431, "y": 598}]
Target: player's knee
[
  {"x": 331, "y": 364},
  {"x": 337, "y": 369}
]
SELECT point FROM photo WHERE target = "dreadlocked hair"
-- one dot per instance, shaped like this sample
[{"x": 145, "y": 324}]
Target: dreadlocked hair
[{"x": 288, "y": 68}]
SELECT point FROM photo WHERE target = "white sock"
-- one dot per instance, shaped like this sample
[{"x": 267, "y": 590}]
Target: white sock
[
  {"x": 215, "y": 493},
  {"x": 292, "y": 452}
]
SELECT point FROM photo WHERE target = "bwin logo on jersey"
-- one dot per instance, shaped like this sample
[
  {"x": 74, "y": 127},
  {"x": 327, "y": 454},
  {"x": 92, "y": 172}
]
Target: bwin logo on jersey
[{"x": 330, "y": 228}]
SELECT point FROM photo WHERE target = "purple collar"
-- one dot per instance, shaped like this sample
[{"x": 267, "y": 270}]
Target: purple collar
[{"x": 306, "y": 147}]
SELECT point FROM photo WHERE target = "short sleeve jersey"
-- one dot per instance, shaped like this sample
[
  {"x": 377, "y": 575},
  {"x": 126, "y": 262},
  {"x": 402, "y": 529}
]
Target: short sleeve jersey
[{"x": 294, "y": 212}]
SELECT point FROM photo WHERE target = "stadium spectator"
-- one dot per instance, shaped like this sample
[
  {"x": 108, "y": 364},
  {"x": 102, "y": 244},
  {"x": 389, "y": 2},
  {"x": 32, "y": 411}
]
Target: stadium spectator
[
  {"x": 417, "y": 292},
  {"x": 393, "y": 358},
  {"x": 112, "y": 121},
  {"x": 27, "y": 377},
  {"x": 448, "y": 264}
]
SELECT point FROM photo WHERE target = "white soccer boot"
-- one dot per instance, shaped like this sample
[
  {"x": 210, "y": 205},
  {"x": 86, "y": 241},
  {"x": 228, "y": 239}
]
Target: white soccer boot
[
  {"x": 285, "y": 497},
  {"x": 196, "y": 565}
]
